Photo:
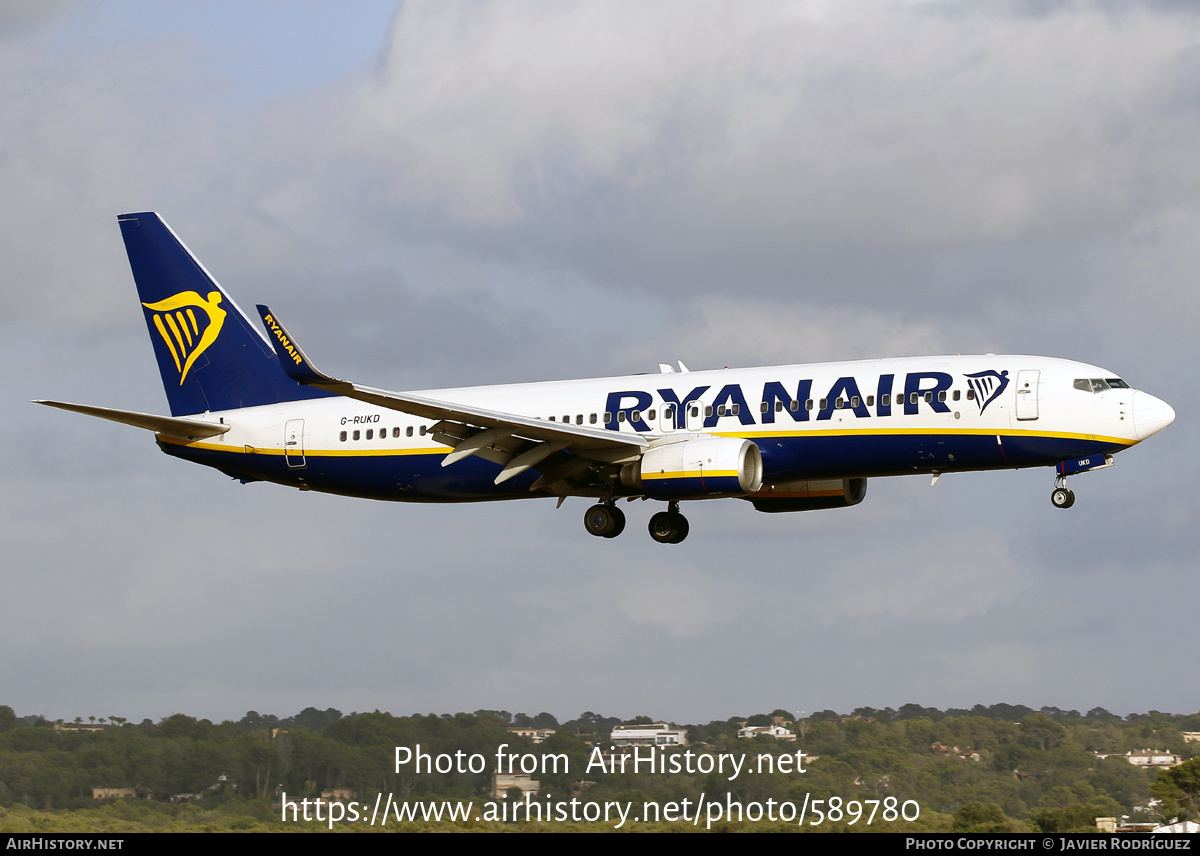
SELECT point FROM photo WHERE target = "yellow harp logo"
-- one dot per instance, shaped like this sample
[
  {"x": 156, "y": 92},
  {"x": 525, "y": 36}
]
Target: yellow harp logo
[{"x": 186, "y": 338}]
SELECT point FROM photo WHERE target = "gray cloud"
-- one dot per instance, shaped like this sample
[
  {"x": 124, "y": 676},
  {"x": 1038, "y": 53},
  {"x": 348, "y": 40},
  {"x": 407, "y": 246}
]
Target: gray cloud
[{"x": 512, "y": 192}]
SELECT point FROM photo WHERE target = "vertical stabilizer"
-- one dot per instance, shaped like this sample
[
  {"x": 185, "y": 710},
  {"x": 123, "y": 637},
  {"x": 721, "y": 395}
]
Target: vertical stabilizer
[{"x": 210, "y": 356}]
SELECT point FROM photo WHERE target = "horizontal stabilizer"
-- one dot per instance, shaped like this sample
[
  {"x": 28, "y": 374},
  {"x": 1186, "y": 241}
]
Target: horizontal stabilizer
[{"x": 186, "y": 429}]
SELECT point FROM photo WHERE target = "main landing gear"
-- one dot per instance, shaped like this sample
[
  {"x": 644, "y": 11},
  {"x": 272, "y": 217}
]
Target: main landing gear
[
  {"x": 605, "y": 520},
  {"x": 1062, "y": 496},
  {"x": 669, "y": 527}
]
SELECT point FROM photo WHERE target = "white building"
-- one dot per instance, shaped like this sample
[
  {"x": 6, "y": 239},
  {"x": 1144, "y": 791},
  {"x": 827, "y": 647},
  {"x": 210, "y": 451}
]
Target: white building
[
  {"x": 749, "y": 732},
  {"x": 654, "y": 734}
]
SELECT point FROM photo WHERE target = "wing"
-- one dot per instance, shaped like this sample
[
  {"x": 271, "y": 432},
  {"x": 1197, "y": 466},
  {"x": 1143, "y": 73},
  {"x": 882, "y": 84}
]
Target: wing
[{"x": 514, "y": 441}]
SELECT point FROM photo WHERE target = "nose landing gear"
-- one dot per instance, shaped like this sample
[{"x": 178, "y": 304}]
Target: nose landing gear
[{"x": 1062, "y": 496}]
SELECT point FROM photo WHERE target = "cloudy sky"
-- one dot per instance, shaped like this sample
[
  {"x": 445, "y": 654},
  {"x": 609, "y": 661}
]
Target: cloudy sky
[{"x": 443, "y": 194}]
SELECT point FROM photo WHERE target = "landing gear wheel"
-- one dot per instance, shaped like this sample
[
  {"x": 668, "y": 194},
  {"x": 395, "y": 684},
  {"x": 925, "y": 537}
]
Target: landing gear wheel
[
  {"x": 668, "y": 527},
  {"x": 619, "y": 520},
  {"x": 1062, "y": 497},
  {"x": 604, "y": 521}
]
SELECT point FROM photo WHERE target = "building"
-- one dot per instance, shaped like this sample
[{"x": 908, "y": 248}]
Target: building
[
  {"x": 503, "y": 782},
  {"x": 749, "y": 732},
  {"x": 654, "y": 734},
  {"x": 1148, "y": 758}
]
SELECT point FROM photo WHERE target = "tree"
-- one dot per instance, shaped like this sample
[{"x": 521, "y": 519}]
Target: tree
[
  {"x": 1179, "y": 789},
  {"x": 980, "y": 817}
]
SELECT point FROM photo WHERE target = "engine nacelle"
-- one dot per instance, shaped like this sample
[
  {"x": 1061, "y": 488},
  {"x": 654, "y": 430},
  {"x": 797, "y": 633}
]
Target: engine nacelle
[
  {"x": 705, "y": 466},
  {"x": 809, "y": 495}
]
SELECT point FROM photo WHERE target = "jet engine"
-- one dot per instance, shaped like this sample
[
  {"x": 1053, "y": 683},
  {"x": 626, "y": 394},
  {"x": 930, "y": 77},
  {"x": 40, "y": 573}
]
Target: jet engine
[
  {"x": 809, "y": 495},
  {"x": 700, "y": 467}
]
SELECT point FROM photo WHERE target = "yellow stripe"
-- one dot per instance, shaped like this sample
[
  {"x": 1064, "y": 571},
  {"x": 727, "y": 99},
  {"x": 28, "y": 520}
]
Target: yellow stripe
[
  {"x": 326, "y": 453},
  {"x": 691, "y": 474},
  {"x": 978, "y": 432},
  {"x": 445, "y": 450}
]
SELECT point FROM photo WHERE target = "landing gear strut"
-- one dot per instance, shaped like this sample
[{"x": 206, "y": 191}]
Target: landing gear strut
[
  {"x": 669, "y": 527},
  {"x": 1062, "y": 496},
  {"x": 604, "y": 520}
]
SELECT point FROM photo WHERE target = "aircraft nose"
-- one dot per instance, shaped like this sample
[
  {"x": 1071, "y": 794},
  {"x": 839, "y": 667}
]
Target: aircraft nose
[{"x": 1150, "y": 414}]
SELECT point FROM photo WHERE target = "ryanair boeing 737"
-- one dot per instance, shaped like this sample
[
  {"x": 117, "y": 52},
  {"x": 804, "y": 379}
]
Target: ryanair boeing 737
[{"x": 247, "y": 401}]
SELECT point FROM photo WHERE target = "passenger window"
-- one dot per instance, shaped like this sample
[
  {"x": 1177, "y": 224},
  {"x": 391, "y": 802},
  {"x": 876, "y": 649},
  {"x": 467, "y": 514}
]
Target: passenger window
[
  {"x": 635, "y": 416},
  {"x": 620, "y": 415},
  {"x": 839, "y": 404},
  {"x": 885, "y": 400},
  {"x": 957, "y": 394},
  {"x": 342, "y": 437},
  {"x": 356, "y": 435},
  {"x": 423, "y": 430},
  {"x": 408, "y": 431},
  {"x": 370, "y": 433},
  {"x": 592, "y": 419},
  {"x": 970, "y": 395},
  {"x": 914, "y": 398},
  {"x": 668, "y": 413},
  {"x": 824, "y": 403},
  {"x": 942, "y": 395},
  {"x": 870, "y": 401},
  {"x": 567, "y": 419},
  {"x": 763, "y": 408},
  {"x": 808, "y": 405},
  {"x": 607, "y": 416},
  {"x": 695, "y": 412},
  {"x": 720, "y": 409},
  {"x": 650, "y": 415},
  {"x": 794, "y": 405},
  {"x": 708, "y": 411},
  {"x": 579, "y": 419},
  {"x": 551, "y": 418},
  {"x": 779, "y": 406}
]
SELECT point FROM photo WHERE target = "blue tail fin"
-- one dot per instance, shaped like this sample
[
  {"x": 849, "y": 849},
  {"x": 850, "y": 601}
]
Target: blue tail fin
[{"x": 210, "y": 356}]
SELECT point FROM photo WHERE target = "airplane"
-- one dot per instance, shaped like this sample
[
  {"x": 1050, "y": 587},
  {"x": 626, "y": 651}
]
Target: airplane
[{"x": 246, "y": 400}]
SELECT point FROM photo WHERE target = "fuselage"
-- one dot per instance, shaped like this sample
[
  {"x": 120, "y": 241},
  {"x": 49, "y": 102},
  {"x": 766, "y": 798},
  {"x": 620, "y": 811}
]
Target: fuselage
[{"x": 839, "y": 420}]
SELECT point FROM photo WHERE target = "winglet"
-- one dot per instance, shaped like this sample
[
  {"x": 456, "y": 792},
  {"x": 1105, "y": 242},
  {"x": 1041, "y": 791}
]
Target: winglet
[{"x": 294, "y": 362}]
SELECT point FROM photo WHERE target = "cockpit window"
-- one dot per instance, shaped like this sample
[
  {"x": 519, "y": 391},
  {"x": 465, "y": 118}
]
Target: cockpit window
[{"x": 1099, "y": 384}]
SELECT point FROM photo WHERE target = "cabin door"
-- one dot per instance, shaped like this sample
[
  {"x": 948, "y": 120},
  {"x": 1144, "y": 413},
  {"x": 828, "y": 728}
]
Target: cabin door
[
  {"x": 1027, "y": 394},
  {"x": 293, "y": 443}
]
